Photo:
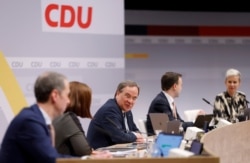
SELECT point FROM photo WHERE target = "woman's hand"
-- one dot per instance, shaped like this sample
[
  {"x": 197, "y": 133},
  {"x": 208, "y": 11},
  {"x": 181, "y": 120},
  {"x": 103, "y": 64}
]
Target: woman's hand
[{"x": 101, "y": 154}]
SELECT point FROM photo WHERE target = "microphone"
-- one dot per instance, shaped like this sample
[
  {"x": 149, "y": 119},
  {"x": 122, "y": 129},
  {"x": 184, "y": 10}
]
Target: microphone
[
  {"x": 207, "y": 102},
  {"x": 215, "y": 112}
]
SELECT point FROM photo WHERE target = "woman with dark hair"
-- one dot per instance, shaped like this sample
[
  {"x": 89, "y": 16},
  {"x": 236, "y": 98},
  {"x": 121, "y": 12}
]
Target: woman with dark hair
[{"x": 70, "y": 136}]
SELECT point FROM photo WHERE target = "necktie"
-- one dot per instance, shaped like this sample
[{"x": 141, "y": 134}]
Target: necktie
[
  {"x": 125, "y": 121},
  {"x": 174, "y": 110},
  {"x": 52, "y": 134}
]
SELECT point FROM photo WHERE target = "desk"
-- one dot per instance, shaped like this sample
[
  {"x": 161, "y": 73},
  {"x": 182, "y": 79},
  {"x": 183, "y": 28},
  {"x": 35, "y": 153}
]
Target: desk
[
  {"x": 229, "y": 143},
  {"x": 139, "y": 146},
  {"x": 127, "y": 150},
  {"x": 144, "y": 160},
  {"x": 194, "y": 159}
]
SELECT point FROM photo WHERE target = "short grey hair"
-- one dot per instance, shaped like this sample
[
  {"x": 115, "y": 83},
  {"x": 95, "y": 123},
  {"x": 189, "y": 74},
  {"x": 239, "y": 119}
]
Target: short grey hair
[
  {"x": 232, "y": 72},
  {"x": 126, "y": 83},
  {"x": 46, "y": 83}
]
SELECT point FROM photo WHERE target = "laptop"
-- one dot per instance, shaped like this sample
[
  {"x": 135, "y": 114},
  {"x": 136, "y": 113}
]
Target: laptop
[
  {"x": 159, "y": 121},
  {"x": 165, "y": 142},
  {"x": 202, "y": 121},
  {"x": 173, "y": 127}
]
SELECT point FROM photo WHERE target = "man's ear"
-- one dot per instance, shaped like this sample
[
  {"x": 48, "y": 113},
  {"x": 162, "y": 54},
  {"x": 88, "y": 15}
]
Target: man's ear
[
  {"x": 174, "y": 86},
  {"x": 54, "y": 95}
]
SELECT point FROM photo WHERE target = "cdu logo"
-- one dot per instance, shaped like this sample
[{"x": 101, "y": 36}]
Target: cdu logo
[
  {"x": 83, "y": 16},
  {"x": 16, "y": 64},
  {"x": 66, "y": 16}
]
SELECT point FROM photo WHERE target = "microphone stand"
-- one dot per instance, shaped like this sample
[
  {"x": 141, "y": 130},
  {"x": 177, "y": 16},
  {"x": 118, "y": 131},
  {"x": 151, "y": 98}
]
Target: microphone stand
[{"x": 216, "y": 114}]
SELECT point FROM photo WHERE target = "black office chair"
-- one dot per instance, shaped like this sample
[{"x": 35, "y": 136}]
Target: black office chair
[{"x": 247, "y": 114}]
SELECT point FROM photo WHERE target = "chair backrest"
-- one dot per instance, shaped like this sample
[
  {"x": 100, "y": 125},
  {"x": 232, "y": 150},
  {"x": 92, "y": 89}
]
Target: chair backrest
[
  {"x": 142, "y": 125},
  {"x": 247, "y": 114}
]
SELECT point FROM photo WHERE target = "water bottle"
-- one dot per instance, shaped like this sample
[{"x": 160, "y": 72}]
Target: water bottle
[{"x": 155, "y": 151}]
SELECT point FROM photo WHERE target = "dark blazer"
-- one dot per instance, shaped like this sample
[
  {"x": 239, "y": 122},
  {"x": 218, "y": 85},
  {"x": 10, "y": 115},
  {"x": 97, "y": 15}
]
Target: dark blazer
[
  {"x": 160, "y": 104},
  {"x": 108, "y": 127},
  {"x": 27, "y": 139},
  {"x": 70, "y": 136}
]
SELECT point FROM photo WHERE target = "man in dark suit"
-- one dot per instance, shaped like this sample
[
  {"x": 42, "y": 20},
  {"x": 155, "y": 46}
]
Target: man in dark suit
[
  {"x": 171, "y": 85},
  {"x": 113, "y": 122},
  {"x": 28, "y": 138}
]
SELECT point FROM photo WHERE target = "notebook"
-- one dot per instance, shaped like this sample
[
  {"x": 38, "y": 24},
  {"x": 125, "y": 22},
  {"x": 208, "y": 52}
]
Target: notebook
[
  {"x": 159, "y": 120},
  {"x": 173, "y": 127},
  {"x": 202, "y": 121},
  {"x": 166, "y": 142}
]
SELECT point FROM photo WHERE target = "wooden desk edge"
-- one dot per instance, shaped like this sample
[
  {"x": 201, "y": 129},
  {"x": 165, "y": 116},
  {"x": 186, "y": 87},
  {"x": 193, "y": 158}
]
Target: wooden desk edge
[{"x": 194, "y": 159}]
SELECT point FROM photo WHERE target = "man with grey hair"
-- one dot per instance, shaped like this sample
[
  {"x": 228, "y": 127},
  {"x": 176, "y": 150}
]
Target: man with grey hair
[
  {"x": 113, "y": 122},
  {"x": 28, "y": 137},
  {"x": 231, "y": 104}
]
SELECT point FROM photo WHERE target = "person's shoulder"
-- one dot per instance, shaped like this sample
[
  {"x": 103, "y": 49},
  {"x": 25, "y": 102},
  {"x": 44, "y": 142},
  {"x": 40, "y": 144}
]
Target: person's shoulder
[
  {"x": 161, "y": 97},
  {"x": 70, "y": 113},
  {"x": 111, "y": 100},
  {"x": 66, "y": 117},
  {"x": 31, "y": 112},
  {"x": 221, "y": 94},
  {"x": 73, "y": 116},
  {"x": 241, "y": 93},
  {"x": 158, "y": 96},
  {"x": 29, "y": 116},
  {"x": 111, "y": 103},
  {"x": 68, "y": 121}
]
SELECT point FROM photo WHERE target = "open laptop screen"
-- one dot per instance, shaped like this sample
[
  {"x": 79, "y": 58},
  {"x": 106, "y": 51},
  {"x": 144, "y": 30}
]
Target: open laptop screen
[
  {"x": 173, "y": 127},
  {"x": 159, "y": 120},
  {"x": 203, "y": 120},
  {"x": 166, "y": 141}
]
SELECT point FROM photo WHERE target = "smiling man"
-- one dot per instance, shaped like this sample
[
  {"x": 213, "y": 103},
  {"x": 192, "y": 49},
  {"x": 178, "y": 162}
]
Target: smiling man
[{"x": 113, "y": 123}]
